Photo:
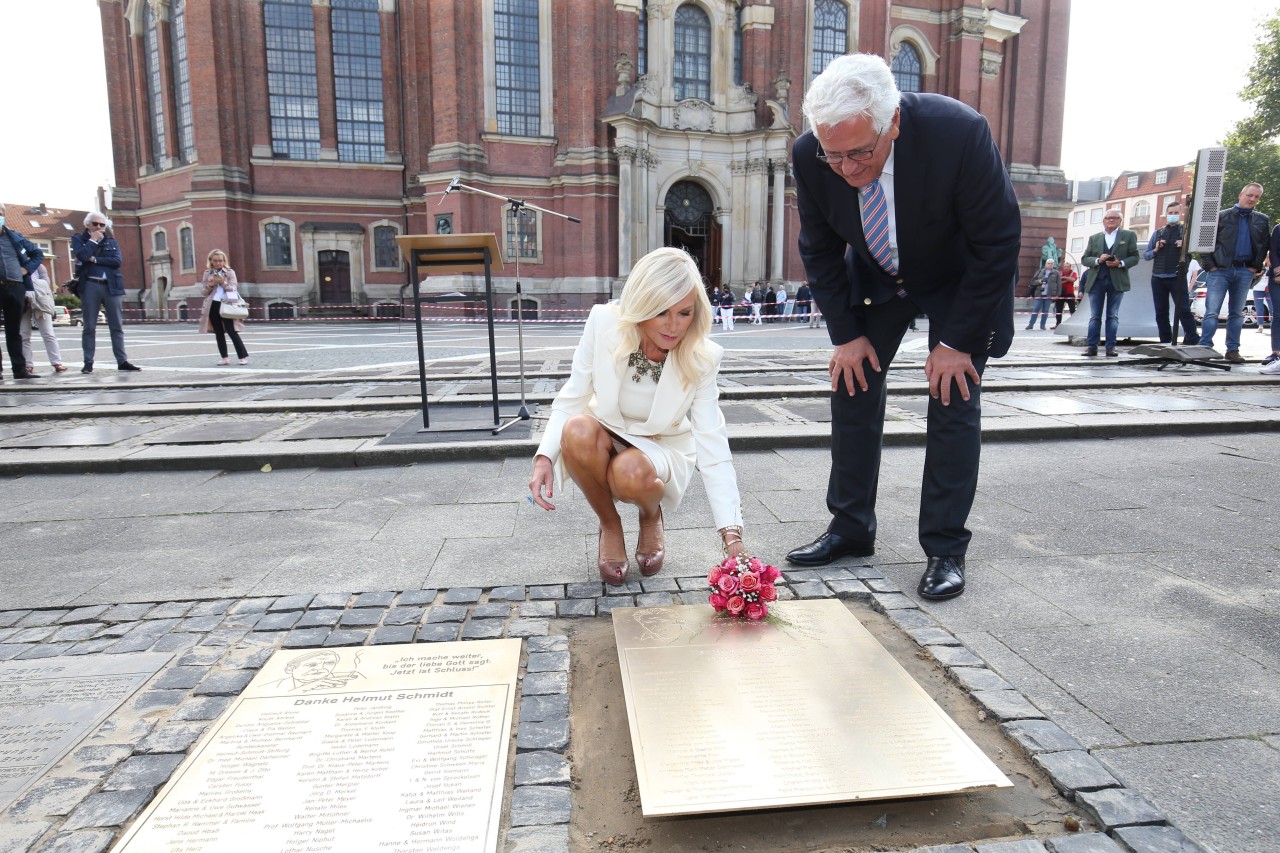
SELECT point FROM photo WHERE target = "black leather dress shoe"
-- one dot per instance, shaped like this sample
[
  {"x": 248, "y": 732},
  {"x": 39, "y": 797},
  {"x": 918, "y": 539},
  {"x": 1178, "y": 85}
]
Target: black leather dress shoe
[
  {"x": 25, "y": 374},
  {"x": 829, "y": 547},
  {"x": 943, "y": 579}
]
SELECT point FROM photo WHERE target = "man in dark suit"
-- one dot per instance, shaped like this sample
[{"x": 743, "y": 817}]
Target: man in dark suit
[
  {"x": 905, "y": 207},
  {"x": 1110, "y": 255},
  {"x": 19, "y": 257}
]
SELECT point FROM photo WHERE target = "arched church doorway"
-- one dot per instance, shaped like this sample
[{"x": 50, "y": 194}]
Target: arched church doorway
[{"x": 689, "y": 224}]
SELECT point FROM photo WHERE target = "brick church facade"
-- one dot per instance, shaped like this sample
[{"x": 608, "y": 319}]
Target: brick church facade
[{"x": 303, "y": 136}]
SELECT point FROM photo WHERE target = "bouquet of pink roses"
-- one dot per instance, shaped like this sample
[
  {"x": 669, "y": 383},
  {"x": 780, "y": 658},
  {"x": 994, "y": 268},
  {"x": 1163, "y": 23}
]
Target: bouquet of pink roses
[{"x": 743, "y": 586}]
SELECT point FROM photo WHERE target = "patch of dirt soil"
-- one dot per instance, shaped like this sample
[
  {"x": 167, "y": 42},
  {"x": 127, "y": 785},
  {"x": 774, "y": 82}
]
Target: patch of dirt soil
[{"x": 606, "y": 800}]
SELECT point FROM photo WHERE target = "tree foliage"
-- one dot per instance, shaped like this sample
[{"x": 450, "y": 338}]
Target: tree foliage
[
  {"x": 1263, "y": 89},
  {"x": 1252, "y": 151}
]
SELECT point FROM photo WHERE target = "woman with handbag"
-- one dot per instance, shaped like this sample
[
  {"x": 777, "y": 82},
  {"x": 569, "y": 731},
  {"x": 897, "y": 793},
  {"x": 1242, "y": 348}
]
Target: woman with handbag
[
  {"x": 39, "y": 315},
  {"x": 220, "y": 295}
]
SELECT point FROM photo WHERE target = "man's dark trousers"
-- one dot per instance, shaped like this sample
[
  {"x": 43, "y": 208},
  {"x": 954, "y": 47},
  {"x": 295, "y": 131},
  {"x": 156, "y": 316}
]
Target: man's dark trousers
[
  {"x": 952, "y": 449},
  {"x": 1164, "y": 288},
  {"x": 13, "y": 299}
]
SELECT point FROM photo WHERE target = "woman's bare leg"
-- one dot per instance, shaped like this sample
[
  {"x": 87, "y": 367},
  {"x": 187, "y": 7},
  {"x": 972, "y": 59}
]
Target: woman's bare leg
[
  {"x": 632, "y": 478},
  {"x": 587, "y": 450}
]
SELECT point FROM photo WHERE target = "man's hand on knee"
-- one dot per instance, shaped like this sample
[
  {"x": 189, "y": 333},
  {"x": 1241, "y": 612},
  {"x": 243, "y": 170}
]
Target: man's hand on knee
[
  {"x": 946, "y": 365},
  {"x": 847, "y": 363}
]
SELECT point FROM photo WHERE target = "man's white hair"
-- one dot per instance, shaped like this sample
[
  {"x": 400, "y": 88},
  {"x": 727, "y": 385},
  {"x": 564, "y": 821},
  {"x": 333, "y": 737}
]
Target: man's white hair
[
  {"x": 852, "y": 85},
  {"x": 88, "y": 217}
]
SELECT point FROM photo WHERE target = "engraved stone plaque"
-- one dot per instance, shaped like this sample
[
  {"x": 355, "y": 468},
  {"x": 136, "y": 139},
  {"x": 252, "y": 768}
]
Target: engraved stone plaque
[
  {"x": 398, "y": 748},
  {"x": 47, "y": 706},
  {"x": 802, "y": 709}
]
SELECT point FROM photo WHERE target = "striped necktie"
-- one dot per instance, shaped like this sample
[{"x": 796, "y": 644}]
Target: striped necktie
[{"x": 875, "y": 226}]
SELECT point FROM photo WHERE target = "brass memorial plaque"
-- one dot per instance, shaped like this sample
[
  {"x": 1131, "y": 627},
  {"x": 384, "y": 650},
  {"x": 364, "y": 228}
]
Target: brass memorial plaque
[
  {"x": 809, "y": 708},
  {"x": 397, "y": 748},
  {"x": 48, "y": 706}
]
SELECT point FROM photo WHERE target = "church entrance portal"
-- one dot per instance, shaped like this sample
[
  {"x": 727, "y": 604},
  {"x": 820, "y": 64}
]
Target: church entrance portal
[{"x": 689, "y": 224}]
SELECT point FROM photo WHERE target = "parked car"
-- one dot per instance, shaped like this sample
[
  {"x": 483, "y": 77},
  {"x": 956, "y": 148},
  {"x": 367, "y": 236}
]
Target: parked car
[
  {"x": 75, "y": 317},
  {"x": 1197, "y": 308},
  {"x": 62, "y": 317}
]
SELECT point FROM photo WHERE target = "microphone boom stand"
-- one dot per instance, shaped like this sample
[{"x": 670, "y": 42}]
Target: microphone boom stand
[{"x": 519, "y": 206}]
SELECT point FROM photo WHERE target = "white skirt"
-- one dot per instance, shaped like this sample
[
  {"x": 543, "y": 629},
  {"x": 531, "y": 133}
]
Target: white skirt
[{"x": 675, "y": 470}]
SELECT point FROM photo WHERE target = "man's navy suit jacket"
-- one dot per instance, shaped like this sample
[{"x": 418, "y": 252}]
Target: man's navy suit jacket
[{"x": 958, "y": 230}]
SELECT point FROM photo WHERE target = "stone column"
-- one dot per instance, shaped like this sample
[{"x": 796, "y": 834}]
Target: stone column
[
  {"x": 626, "y": 168},
  {"x": 779, "y": 219},
  {"x": 726, "y": 246}
]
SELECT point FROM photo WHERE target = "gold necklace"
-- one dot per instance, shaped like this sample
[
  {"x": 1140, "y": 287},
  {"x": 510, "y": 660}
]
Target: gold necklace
[{"x": 644, "y": 366}]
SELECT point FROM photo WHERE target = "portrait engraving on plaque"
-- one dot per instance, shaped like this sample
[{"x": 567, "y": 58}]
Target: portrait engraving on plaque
[
  {"x": 48, "y": 706},
  {"x": 829, "y": 715},
  {"x": 400, "y": 748}
]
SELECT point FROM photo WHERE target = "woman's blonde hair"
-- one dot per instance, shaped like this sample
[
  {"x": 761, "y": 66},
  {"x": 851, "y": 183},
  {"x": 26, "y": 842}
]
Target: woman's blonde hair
[
  {"x": 208, "y": 260},
  {"x": 657, "y": 282}
]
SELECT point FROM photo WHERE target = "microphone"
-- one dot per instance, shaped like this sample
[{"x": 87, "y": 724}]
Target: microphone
[{"x": 453, "y": 185}]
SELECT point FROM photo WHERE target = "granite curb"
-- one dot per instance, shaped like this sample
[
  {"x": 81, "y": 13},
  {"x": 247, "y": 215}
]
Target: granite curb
[
  {"x": 367, "y": 453},
  {"x": 219, "y": 644}
]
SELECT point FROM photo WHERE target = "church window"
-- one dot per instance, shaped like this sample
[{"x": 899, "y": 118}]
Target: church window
[
  {"x": 515, "y": 25},
  {"x": 692, "y": 74},
  {"x": 357, "y": 81},
  {"x": 279, "y": 244},
  {"x": 155, "y": 88},
  {"x": 830, "y": 33},
  {"x": 292, "y": 92},
  {"x": 907, "y": 68},
  {"x": 182, "y": 81}
]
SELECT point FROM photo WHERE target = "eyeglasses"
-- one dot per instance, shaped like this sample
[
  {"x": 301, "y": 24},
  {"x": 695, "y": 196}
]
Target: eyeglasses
[
  {"x": 97, "y": 225},
  {"x": 859, "y": 156}
]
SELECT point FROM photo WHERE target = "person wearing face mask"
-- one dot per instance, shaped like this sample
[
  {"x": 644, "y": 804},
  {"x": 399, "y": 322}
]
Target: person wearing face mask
[
  {"x": 19, "y": 257},
  {"x": 1169, "y": 277},
  {"x": 639, "y": 412}
]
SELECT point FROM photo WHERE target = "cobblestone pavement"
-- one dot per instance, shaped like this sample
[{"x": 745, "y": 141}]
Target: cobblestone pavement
[{"x": 218, "y": 645}]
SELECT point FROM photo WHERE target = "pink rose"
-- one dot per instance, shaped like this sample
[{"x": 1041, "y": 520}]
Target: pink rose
[
  {"x": 770, "y": 574},
  {"x": 735, "y": 604},
  {"x": 756, "y": 564},
  {"x": 756, "y": 610},
  {"x": 714, "y": 575},
  {"x": 730, "y": 564},
  {"x": 768, "y": 592},
  {"x": 749, "y": 582},
  {"x": 728, "y": 584},
  {"x": 718, "y": 601}
]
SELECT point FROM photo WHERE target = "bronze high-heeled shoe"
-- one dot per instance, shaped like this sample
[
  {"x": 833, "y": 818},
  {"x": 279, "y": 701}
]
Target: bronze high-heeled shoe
[
  {"x": 612, "y": 572},
  {"x": 650, "y": 558}
]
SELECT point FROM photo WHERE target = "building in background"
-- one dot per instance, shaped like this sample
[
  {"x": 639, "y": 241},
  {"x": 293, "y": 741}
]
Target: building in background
[
  {"x": 302, "y": 137},
  {"x": 1142, "y": 197},
  {"x": 51, "y": 229}
]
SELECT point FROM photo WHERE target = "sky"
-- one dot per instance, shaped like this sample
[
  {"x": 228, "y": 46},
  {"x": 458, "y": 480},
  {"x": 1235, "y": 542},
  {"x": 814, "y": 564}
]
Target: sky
[{"x": 1149, "y": 83}]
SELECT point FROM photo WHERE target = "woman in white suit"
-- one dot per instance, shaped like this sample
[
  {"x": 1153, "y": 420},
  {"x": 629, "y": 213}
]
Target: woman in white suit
[{"x": 639, "y": 412}]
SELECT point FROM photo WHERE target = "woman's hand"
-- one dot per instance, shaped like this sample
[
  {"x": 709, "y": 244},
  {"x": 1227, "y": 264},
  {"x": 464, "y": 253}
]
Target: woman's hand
[{"x": 543, "y": 479}]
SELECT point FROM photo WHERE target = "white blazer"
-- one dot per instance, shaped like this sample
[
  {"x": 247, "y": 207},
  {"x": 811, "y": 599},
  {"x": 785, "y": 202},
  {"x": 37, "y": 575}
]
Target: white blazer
[{"x": 684, "y": 420}]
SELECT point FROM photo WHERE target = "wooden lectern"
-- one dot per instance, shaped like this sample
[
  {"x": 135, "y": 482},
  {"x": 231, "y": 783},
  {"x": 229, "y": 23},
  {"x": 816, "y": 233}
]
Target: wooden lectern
[{"x": 453, "y": 253}]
